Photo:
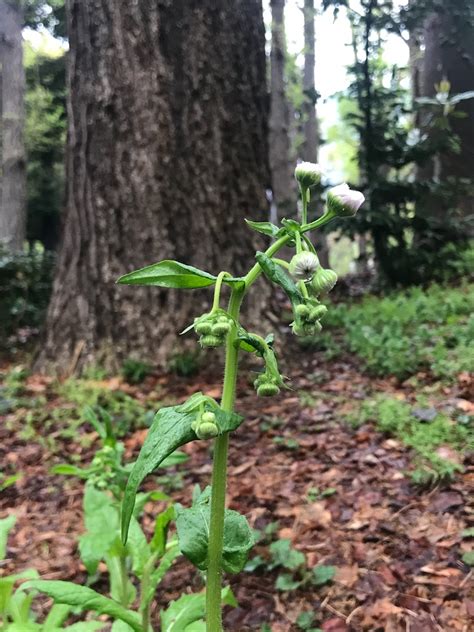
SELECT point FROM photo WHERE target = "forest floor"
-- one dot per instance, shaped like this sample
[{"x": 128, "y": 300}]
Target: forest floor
[{"x": 306, "y": 466}]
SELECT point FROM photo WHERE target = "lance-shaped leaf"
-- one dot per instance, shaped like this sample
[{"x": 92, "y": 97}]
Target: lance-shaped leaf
[
  {"x": 173, "y": 274},
  {"x": 169, "y": 273},
  {"x": 171, "y": 428},
  {"x": 86, "y": 599},
  {"x": 276, "y": 274},
  {"x": 266, "y": 228}
]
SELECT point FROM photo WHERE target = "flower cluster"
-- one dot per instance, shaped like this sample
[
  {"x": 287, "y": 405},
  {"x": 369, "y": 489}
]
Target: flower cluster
[{"x": 213, "y": 328}]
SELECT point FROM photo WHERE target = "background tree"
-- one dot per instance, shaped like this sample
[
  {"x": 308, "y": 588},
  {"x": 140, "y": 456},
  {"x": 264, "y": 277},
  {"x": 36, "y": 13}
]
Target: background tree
[
  {"x": 309, "y": 148},
  {"x": 448, "y": 36},
  {"x": 279, "y": 133},
  {"x": 166, "y": 154},
  {"x": 13, "y": 165}
]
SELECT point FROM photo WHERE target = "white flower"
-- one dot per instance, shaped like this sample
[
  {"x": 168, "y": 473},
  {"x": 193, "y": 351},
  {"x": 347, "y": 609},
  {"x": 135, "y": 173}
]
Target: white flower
[
  {"x": 343, "y": 201},
  {"x": 304, "y": 265},
  {"x": 308, "y": 174}
]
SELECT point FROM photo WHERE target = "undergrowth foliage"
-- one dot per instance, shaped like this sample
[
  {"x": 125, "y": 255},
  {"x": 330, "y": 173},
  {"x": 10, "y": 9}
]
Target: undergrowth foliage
[
  {"x": 213, "y": 538},
  {"x": 419, "y": 330}
]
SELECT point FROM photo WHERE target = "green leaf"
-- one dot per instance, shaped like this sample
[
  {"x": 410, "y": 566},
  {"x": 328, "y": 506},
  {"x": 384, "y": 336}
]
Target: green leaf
[
  {"x": 120, "y": 626},
  {"x": 92, "y": 626},
  {"x": 69, "y": 470},
  {"x": 137, "y": 547},
  {"x": 468, "y": 533},
  {"x": 170, "y": 429},
  {"x": 277, "y": 275},
  {"x": 323, "y": 574},
  {"x": 158, "y": 541},
  {"x": 284, "y": 555},
  {"x": 101, "y": 520},
  {"x": 56, "y": 616},
  {"x": 169, "y": 273},
  {"x": 6, "y": 525},
  {"x": 189, "y": 609},
  {"x": 285, "y": 582},
  {"x": 468, "y": 558},
  {"x": 266, "y": 228},
  {"x": 85, "y": 599},
  {"x": 193, "y": 533},
  {"x": 165, "y": 564}
]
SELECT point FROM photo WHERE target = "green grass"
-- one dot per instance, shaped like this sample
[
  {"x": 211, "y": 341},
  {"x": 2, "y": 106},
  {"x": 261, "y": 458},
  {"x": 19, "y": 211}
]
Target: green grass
[
  {"x": 411, "y": 331},
  {"x": 401, "y": 420}
]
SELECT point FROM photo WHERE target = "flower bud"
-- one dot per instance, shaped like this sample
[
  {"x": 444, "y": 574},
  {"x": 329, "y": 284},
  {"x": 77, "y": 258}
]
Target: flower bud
[
  {"x": 304, "y": 265},
  {"x": 211, "y": 341},
  {"x": 324, "y": 280},
  {"x": 308, "y": 174},
  {"x": 302, "y": 311},
  {"x": 267, "y": 389},
  {"x": 317, "y": 312},
  {"x": 206, "y": 430},
  {"x": 220, "y": 328},
  {"x": 203, "y": 328},
  {"x": 343, "y": 201},
  {"x": 208, "y": 417}
]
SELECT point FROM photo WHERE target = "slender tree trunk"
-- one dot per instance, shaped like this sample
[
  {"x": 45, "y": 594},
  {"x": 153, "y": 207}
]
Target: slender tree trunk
[
  {"x": 166, "y": 155},
  {"x": 13, "y": 168},
  {"x": 310, "y": 125},
  {"x": 282, "y": 177},
  {"x": 449, "y": 54}
]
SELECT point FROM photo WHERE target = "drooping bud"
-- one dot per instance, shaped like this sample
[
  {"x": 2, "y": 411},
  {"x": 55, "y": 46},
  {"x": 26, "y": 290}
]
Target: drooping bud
[
  {"x": 221, "y": 328},
  {"x": 317, "y": 312},
  {"x": 302, "y": 311},
  {"x": 203, "y": 328},
  {"x": 343, "y": 201},
  {"x": 304, "y": 265},
  {"x": 324, "y": 280},
  {"x": 267, "y": 389},
  {"x": 208, "y": 417},
  {"x": 308, "y": 174},
  {"x": 207, "y": 431},
  {"x": 211, "y": 341}
]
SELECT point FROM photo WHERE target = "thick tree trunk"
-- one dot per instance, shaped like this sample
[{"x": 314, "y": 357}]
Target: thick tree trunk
[
  {"x": 310, "y": 125},
  {"x": 13, "y": 168},
  {"x": 282, "y": 176},
  {"x": 449, "y": 54},
  {"x": 166, "y": 155}
]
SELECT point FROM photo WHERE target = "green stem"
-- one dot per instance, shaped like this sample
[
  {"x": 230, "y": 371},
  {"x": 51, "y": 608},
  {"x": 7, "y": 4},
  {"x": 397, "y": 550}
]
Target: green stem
[
  {"x": 219, "y": 476},
  {"x": 304, "y": 199},
  {"x": 219, "y": 468},
  {"x": 217, "y": 291},
  {"x": 144, "y": 597}
]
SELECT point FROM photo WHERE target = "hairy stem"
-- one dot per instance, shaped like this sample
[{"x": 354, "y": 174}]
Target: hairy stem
[{"x": 219, "y": 477}]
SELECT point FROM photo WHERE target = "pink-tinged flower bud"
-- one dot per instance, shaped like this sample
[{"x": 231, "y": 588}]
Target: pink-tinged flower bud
[
  {"x": 343, "y": 201},
  {"x": 308, "y": 174},
  {"x": 304, "y": 265}
]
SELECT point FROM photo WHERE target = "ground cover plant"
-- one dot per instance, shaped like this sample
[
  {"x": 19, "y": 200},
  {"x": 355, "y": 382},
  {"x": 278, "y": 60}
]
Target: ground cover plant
[
  {"x": 407, "y": 332},
  {"x": 213, "y": 538}
]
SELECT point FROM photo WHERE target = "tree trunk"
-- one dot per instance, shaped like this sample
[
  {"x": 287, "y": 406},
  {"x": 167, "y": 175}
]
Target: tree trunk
[
  {"x": 166, "y": 155},
  {"x": 310, "y": 125},
  {"x": 13, "y": 168},
  {"x": 282, "y": 176},
  {"x": 449, "y": 54}
]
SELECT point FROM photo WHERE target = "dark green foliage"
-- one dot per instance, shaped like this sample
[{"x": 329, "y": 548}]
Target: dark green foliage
[
  {"x": 25, "y": 285},
  {"x": 410, "y": 219},
  {"x": 135, "y": 371},
  {"x": 411, "y": 331},
  {"x": 45, "y": 134}
]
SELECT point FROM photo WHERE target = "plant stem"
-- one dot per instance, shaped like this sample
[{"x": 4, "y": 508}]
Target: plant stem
[{"x": 219, "y": 476}]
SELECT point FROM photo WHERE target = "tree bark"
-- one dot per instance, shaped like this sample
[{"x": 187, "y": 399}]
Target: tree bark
[
  {"x": 282, "y": 176},
  {"x": 310, "y": 124},
  {"x": 449, "y": 54},
  {"x": 166, "y": 155},
  {"x": 13, "y": 168}
]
